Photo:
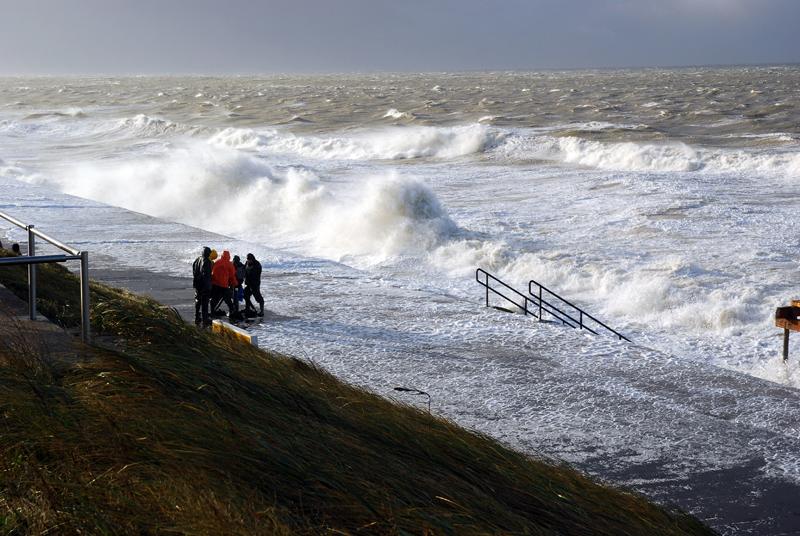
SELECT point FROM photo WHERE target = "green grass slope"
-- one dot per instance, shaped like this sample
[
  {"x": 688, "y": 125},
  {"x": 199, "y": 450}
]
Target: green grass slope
[{"x": 163, "y": 428}]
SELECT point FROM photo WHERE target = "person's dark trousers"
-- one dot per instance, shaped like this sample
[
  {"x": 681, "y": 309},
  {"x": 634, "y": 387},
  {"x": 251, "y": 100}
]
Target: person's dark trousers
[
  {"x": 234, "y": 293},
  {"x": 201, "y": 299},
  {"x": 220, "y": 294},
  {"x": 217, "y": 294},
  {"x": 256, "y": 293},
  {"x": 227, "y": 297}
]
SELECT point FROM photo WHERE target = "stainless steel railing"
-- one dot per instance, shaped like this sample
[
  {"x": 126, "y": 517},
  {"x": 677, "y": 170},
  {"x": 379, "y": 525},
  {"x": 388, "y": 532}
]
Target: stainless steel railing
[{"x": 31, "y": 260}]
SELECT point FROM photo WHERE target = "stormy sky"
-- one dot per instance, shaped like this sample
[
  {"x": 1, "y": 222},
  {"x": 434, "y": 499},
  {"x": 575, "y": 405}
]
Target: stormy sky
[{"x": 267, "y": 36}]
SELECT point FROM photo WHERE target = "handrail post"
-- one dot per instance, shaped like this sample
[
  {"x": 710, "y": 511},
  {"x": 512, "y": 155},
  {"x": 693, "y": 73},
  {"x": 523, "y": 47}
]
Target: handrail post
[
  {"x": 85, "y": 332},
  {"x": 487, "y": 290},
  {"x": 580, "y": 318},
  {"x": 785, "y": 344},
  {"x": 540, "y": 303},
  {"x": 31, "y": 274}
]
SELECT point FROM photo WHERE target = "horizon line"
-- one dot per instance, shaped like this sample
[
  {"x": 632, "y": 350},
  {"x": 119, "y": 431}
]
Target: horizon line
[{"x": 200, "y": 74}]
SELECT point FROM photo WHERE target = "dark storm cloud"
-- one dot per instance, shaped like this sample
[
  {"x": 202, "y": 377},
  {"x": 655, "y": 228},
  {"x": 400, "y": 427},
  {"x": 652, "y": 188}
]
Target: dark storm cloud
[{"x": 230, "y": 36}]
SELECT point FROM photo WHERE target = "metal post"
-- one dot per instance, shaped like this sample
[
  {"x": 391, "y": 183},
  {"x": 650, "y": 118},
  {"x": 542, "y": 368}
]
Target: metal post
[
  {"x": 525, "y": 301},
  {"x": 31, "y": 274},
  {"x": 487, "y": 290},
  {"x": 85, "y": 333},
  {"x": 580, "y": 319},
  {"x": 785, "y": 344},
  {"x": 540, "y": 303}
]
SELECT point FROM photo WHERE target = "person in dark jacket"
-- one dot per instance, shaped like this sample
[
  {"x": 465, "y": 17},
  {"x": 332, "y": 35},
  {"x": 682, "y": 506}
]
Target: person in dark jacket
[
  {"x": 252, "y": 278},
  {"x": 201, "y": 270},
  {"x": 238, "y": 292},
  {"x": 15, "y": 250}
]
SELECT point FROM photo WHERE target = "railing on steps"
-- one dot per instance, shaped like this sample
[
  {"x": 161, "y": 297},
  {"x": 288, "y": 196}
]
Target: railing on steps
[
  {"x": 582, "y": 315},
  {"x": 539, "y": 302}
]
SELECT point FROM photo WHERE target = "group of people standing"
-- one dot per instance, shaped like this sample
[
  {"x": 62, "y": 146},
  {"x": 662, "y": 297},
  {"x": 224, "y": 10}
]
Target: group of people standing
[{"x": 225, "y": 280}]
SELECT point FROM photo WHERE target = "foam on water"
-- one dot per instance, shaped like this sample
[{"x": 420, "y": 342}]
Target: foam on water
[
  {"x": 145, "y": 126},
  {"x": 394, "y": 113},
  {"x": 662, "y": 157},
  {"x": 230, "y": 192},
  {"x": 629, "y": 224},
  {"x": 399, "y": 143}
]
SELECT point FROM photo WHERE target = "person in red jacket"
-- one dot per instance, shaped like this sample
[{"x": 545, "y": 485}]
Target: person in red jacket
[{"x": 223, "y": 281}]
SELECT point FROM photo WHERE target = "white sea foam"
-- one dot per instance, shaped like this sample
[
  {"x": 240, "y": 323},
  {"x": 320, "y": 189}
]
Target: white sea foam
[
  {"x": 146, "y": 126},
  {"x": 663, "y": 157},
  {"x": 394, "y": 113},
  {"x": 397, "y": 143},
  {"x": 237, "y": 194},
  {"x": 400, "y": 143}
]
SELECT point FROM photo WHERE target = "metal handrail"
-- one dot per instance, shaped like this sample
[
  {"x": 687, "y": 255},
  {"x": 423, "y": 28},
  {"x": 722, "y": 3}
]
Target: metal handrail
[
  {"x": 540, "y": 303},
  {"x": 41, "y": 259},
  {"x": 31, "y": 260},
  {"x": 543, "y": 305},
  {"x": 488, "y": 286},
  {"x": 581, "y": 313}
]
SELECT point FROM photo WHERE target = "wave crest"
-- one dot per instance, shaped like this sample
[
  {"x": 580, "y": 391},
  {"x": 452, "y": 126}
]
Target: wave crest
[
  {"x": 146, "y": 126},
  {"x": 389, "y": 144},
  {"x": 647, "y": 157}
]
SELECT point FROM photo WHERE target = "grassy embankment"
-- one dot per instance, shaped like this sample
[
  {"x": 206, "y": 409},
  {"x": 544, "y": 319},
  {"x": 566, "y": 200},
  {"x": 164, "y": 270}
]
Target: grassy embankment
[{"x": 164, "y": 428}]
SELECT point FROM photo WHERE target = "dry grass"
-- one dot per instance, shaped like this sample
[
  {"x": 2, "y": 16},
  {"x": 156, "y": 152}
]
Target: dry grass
[{"x": 177, "y": 431}]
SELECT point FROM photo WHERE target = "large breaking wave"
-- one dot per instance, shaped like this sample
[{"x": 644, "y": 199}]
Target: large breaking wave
[{"x": 236, "y": 194}]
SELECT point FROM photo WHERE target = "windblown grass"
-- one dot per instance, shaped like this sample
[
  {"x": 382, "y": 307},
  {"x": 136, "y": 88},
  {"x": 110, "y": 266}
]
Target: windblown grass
[{"x": 168, "y": 429}]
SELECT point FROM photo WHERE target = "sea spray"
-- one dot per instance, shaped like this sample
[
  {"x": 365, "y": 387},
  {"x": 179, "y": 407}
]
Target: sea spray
[{"x": 233, "y": 193}]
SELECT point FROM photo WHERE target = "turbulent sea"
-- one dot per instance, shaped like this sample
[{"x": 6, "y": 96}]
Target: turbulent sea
[{"x": 664, "y": 201}]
